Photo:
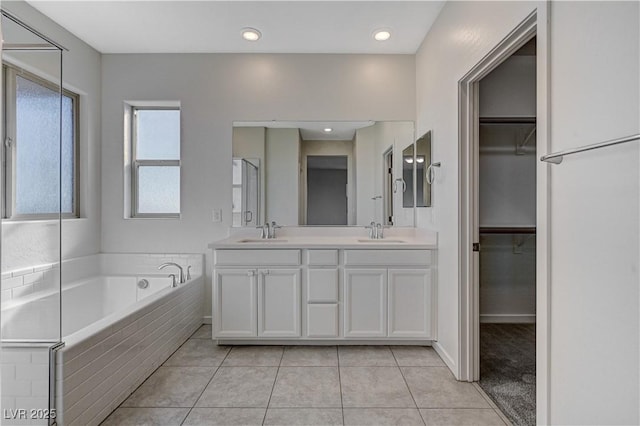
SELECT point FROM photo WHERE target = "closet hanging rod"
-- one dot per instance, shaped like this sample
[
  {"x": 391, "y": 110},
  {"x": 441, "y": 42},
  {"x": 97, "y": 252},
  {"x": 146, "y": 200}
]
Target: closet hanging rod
[
  {"x": 507, "y": 229},
  {"x": 507, "y": 120},
  {"x": 556, "y": 157},
  {"x": 29, "y": 28}
]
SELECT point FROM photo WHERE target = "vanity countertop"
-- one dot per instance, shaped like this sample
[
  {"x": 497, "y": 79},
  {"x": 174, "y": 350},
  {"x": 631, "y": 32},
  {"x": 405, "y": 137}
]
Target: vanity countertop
[{"x": 331, "y": 237}]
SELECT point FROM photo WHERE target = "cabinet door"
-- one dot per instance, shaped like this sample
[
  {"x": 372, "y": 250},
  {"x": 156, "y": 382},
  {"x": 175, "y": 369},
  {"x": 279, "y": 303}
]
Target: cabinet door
[
  {"x": 235, "y": 303},
  {"x": 410, "y": 298},
  {"x": 279, "y": 302},
  {"x": 322, "y": 320},
  {"x": 365, "y": 302}
]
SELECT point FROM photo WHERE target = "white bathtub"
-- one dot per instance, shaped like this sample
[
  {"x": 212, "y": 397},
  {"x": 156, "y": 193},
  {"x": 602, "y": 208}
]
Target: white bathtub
[
  {"x": 116, "y": 335},
  {"x": 84, "y": 303}
]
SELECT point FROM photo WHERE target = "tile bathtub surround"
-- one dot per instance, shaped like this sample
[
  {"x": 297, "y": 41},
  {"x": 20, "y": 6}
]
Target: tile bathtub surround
[
  {"x": 25, "y": 281},
  {"x": 309, "y": 385}
]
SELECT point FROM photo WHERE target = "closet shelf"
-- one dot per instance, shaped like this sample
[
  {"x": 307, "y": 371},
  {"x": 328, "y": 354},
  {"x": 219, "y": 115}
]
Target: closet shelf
[
  {"x": 507, "y": 120},
  {"x": 507, "y": 229}
]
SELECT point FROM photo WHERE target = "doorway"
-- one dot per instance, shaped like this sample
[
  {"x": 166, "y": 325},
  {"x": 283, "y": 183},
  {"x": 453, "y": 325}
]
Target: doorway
[
  {"x": 506, "y": 214},
  {"x": 387, "y": 193},
  {"x": 469, "y": 367},
  {"x": 327, "y": 189}
]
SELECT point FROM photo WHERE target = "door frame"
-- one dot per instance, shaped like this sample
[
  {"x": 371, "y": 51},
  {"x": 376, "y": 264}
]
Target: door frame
[{"x": 535, "y": 24}]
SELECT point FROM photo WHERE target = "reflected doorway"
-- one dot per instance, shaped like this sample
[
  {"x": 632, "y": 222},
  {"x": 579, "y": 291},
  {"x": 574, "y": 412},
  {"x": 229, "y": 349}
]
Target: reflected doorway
[{"x": 327, "y": 190}]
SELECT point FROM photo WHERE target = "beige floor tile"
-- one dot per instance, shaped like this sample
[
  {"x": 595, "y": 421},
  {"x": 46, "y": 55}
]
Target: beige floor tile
[
  {"x": 381, "y": 387},
  {"x": 461, "y": 417},
  {"x": 310, "y": 356},
  {"x": 225, "y": 416},
  {"x": 140, "y": 416},
  {"x": 303, "y": 416},
  {"x": 204, "y": 332},
  {"x": 298, "y": 387},
  {"x": 382, "y": 416},
  {"x": 435, "y": 387},
  {"x": 198, "y": 353},
  {"x": 416, "y": 356},
  {"x": 366, "y": 356},
  {"x": 239, "y": 387},
  {"x": 254, "y": 356},
  {"x": 171, "y": 387}
]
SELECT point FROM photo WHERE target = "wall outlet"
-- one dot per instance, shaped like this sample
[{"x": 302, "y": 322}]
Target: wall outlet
[{"x": 217, "y": 215}]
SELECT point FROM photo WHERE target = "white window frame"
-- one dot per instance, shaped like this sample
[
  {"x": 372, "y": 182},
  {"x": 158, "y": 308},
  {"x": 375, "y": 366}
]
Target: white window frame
[
  {"x": 10, "y": 74},
  {"x": 136, "y": 164}
]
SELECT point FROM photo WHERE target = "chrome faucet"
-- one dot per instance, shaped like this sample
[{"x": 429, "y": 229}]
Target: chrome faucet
[
  {"x": 376, "y": 231},
  {"x": 181, "y": 278},
  {"x": 272, "y": 229},
  {"x": 264, "y": 231},
  {"x": 373, "y": 231}
]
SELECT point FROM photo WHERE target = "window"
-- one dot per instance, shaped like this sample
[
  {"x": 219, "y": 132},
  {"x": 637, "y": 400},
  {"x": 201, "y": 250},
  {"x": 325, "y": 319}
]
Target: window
[
  {"x": 155, "y": 163},
  {"x": 40, "y": 169}
]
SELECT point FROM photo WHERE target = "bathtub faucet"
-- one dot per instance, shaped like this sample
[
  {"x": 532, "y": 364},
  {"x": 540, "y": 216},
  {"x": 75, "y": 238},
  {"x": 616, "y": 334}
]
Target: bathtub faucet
[{"x": 181, "y": 278}]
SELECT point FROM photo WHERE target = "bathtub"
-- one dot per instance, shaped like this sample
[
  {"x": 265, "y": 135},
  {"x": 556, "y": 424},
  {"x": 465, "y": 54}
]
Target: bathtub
[
  {"x": 116, "y": 334},
  {"x": 84, "y": 303}
]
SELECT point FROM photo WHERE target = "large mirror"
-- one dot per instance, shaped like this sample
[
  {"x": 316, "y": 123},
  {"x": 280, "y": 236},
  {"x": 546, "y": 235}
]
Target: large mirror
[{"x": 322, "y": 173}]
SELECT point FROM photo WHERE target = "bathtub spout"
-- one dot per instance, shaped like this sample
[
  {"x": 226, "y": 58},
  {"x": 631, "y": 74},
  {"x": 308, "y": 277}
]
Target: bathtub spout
[{"x": 181, "y": 279}]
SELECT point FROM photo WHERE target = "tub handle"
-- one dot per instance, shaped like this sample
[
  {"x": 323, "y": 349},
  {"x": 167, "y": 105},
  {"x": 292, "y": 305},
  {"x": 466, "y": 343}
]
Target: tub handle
[
  {"x": 143, "y": 283},
  {"x": 174, "y": 283},
  {"x": 188, "y": 272}
]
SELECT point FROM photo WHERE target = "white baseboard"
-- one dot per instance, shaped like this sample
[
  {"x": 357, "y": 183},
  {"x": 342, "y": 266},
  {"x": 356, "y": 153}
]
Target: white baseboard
[
  {"x": 446, "y": 358},
  {"x": 509, "y": 319},
  {"x": 206, "y": 319}
]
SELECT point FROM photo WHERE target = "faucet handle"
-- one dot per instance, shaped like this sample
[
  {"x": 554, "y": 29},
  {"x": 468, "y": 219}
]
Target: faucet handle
[
  {"x": 173, "y": 280},
  {"x": 188, "y": 272}
]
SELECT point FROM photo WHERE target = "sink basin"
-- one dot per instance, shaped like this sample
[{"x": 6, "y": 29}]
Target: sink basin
[
  {"x": 262, "y": 240},
  {"x": 382, "y": 240}
]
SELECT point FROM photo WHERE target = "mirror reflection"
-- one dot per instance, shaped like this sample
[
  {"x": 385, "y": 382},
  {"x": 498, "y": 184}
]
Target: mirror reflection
[
  {"x": 423, "y": 160},
  {"x": 321, "y": 173}
]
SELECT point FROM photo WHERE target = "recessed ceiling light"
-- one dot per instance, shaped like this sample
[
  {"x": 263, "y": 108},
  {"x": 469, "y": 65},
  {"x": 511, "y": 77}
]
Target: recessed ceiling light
[
  {"x": 420, "y": 159},
  {"x": 251, "y": 34},
  {"x": 328, "y": 130},
  {"x": 408, "y": 160},
  {"x": 382, "y": 35}
]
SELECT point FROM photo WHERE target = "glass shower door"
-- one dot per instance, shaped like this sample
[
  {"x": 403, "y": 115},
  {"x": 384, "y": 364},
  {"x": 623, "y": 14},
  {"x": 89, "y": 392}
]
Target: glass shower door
[{"x": 35, "y": 173}]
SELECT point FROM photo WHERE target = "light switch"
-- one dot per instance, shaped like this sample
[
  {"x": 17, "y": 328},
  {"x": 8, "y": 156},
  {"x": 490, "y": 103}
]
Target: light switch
[{"x": 217, "y": 215}]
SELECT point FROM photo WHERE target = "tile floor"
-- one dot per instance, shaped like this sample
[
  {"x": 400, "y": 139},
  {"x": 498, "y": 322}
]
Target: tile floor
[{"x": 206, "y": 384}]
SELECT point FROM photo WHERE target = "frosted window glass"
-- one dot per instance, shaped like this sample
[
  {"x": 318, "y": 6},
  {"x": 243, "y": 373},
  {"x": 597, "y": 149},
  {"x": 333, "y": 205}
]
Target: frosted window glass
[
  {"x": 159, "y": 189},
  {"x": 39, "y": 150},
  {"x": 158, "y": 134}
]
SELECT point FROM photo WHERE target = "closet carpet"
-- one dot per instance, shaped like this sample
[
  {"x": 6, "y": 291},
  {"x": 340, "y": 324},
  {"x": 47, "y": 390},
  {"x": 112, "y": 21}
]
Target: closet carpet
[{"x": 508, "y": 369}]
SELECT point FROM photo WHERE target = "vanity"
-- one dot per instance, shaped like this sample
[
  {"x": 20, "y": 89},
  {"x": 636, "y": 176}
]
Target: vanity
[{"x": 325, "y": 284}]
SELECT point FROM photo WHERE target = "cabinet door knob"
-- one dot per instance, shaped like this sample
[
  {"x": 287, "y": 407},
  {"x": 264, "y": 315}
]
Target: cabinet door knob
[
  {"x": 265, "y": 272},
  {"x": 250, "y": 273}
]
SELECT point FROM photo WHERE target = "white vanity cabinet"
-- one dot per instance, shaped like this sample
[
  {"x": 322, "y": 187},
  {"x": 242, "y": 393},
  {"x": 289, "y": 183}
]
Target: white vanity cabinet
[
  {"x": 346, "y": 294},
  {"x": 388, "y": 293},
  {"x": 253, "y": 300}
]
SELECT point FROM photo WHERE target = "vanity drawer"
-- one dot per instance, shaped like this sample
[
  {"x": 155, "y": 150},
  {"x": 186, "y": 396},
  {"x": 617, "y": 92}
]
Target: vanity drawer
[
  {"x": 322, "y": 257},
  {"x": 322, "y": 285},
  {"x": 387, "y": 257},
  {"x": 266, "y": 257},
  {"x": 322, "y": 320}
]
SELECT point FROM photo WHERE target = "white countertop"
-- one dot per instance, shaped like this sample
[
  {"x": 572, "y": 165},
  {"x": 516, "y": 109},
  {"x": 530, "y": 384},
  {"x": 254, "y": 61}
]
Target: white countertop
[{"x": 329, "y": 237}]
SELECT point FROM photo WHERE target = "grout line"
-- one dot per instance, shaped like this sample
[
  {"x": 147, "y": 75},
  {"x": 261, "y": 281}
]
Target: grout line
[
  {"x": 407, "y": 385},
  {"x": 340, "y": 384},
  {"x": 274, "y": 385},
  {"x": 206, "y": 386}
]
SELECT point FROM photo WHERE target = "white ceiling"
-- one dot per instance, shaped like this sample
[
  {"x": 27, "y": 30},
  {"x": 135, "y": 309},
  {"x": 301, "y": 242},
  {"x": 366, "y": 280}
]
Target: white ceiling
[
  {"x": 173, "y": 26},
  {"x": 313, "y": 130}
]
